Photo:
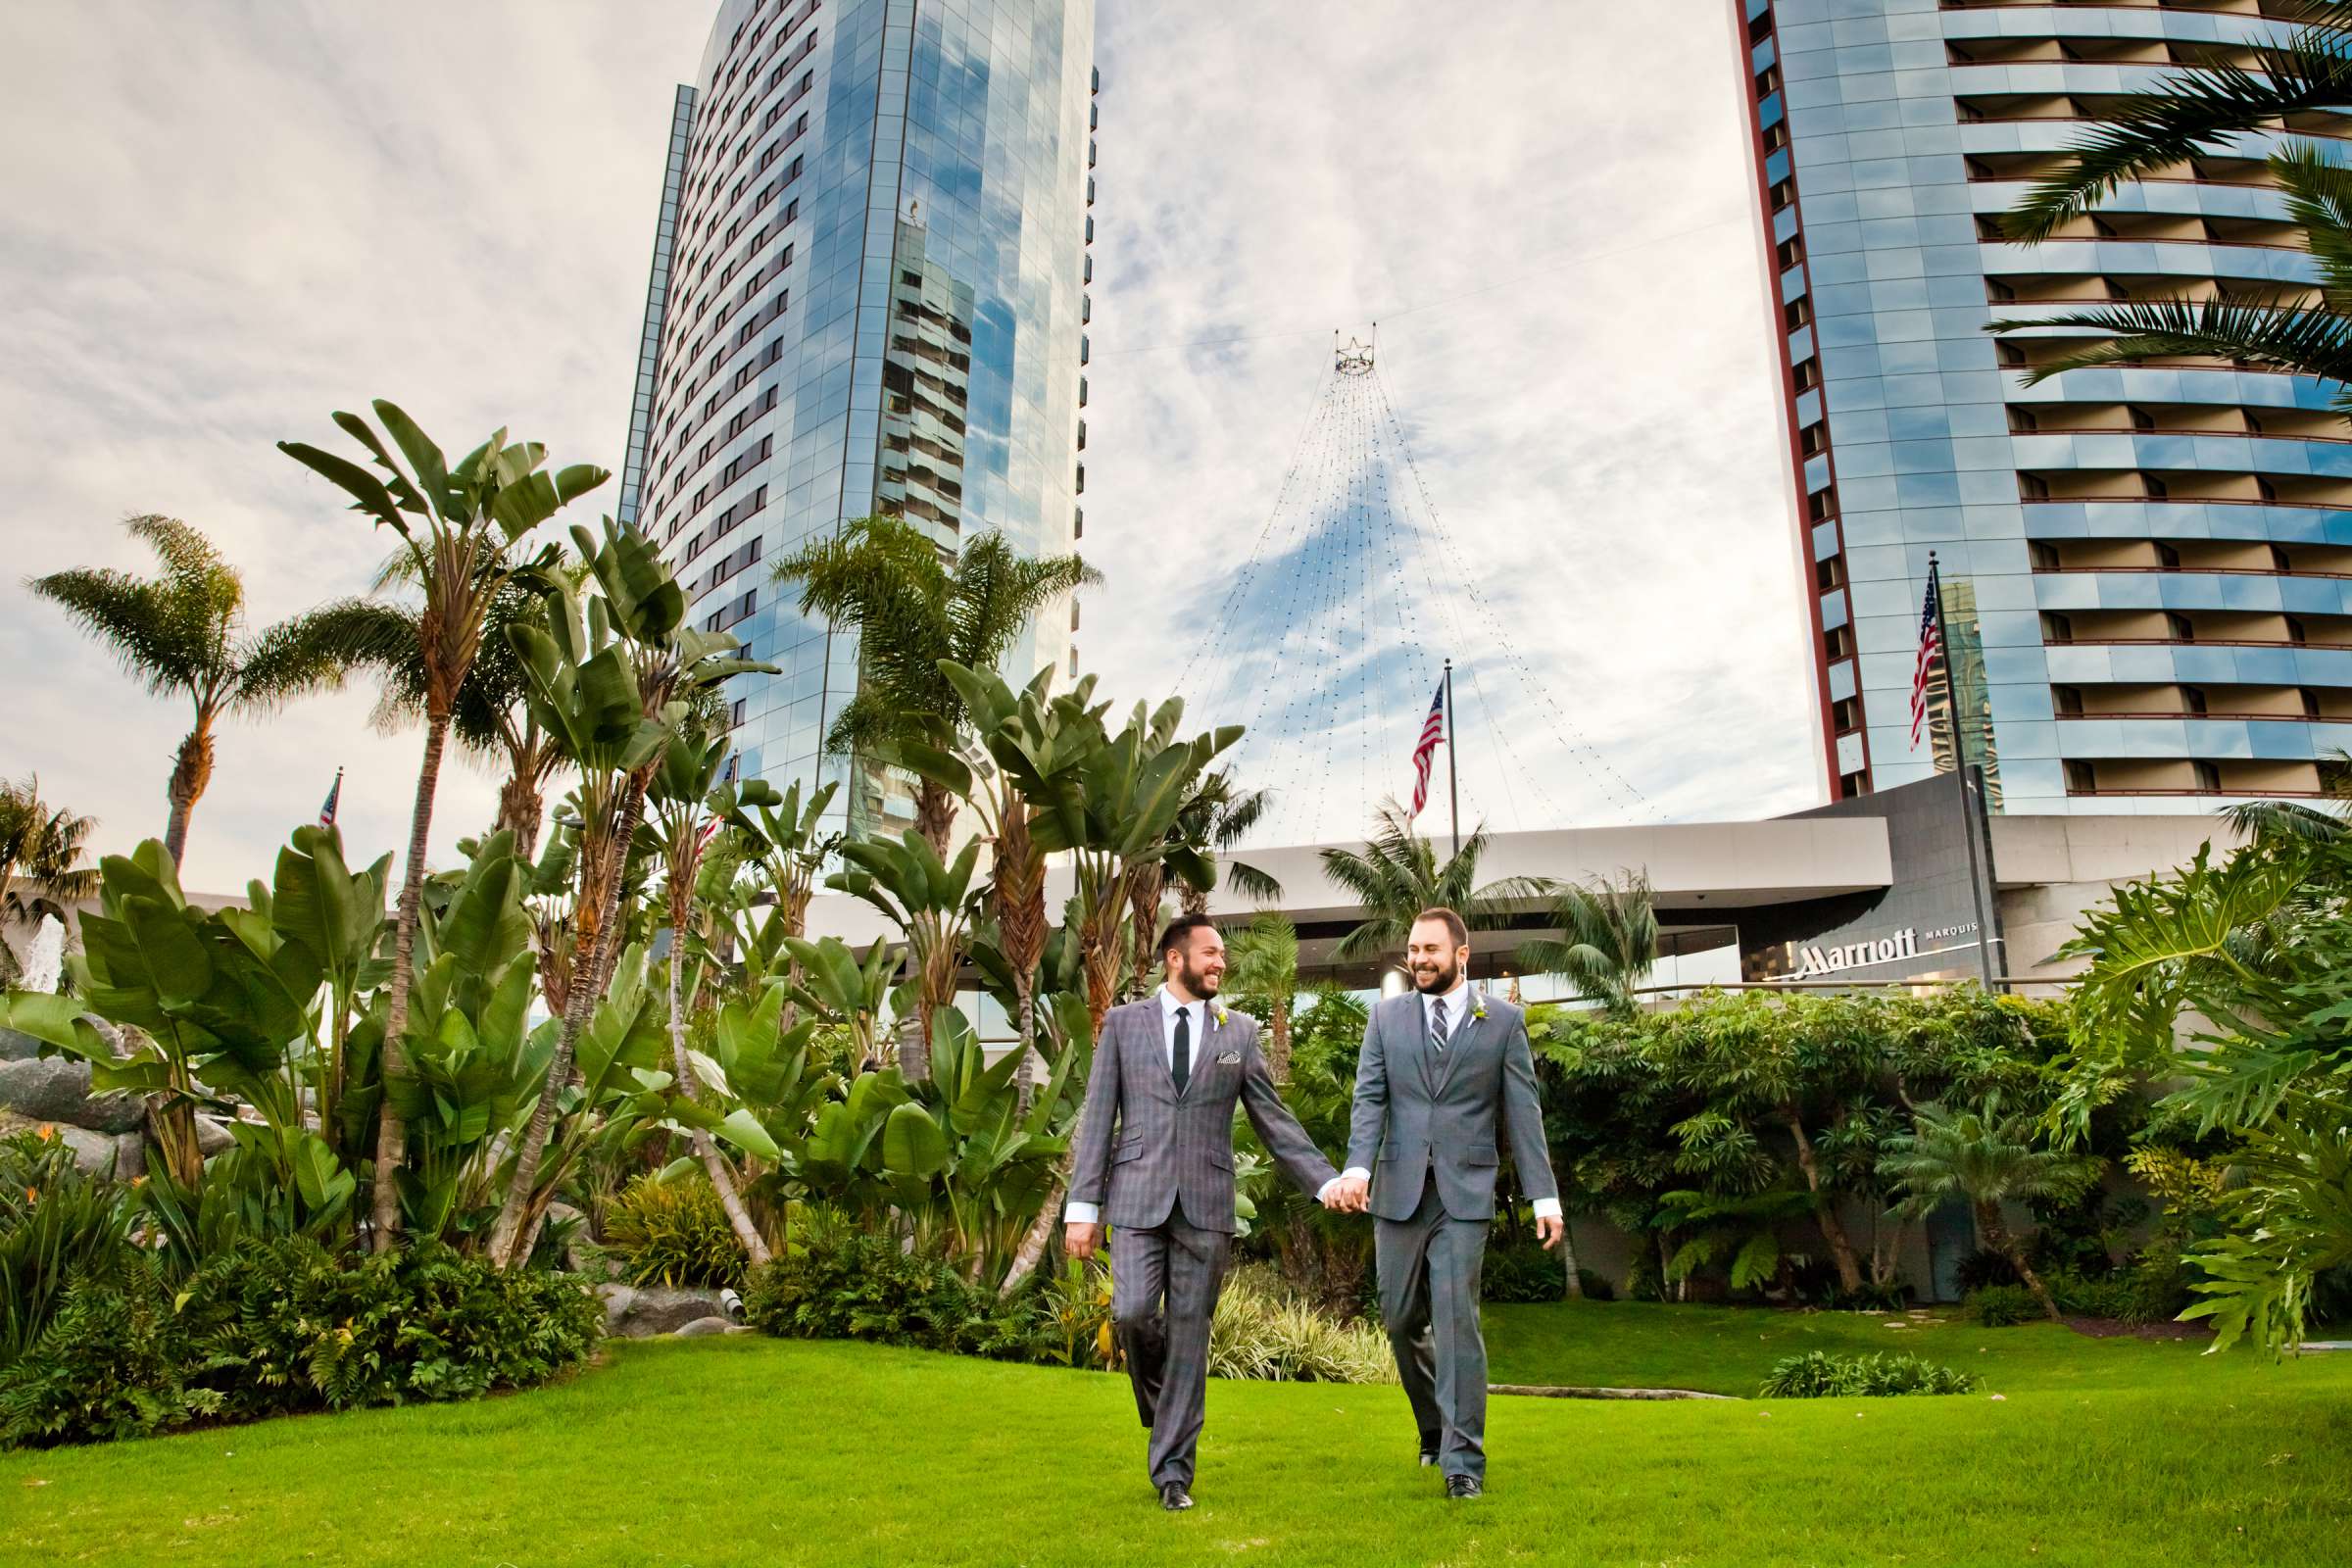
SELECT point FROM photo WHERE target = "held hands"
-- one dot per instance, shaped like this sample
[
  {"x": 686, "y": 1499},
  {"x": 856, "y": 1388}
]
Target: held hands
[
  {"x": 1080, "y": 1240},
  {"x": 1348, "y": 1194}
]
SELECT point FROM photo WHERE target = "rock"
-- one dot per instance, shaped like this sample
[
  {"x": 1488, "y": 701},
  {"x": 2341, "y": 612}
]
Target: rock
[
  {"x": 211, "y": 1135},
  {"x": 131, "y": 1155},
  {"x": 94, "y": 1153},
  {"x": 703, "y": 1326},
  {"x": 16, "y": 1047},
  {"x": 57, "y": 1088},
  {"x": 581, "y": 1254},
  {"x": 640, "y": 1311}
]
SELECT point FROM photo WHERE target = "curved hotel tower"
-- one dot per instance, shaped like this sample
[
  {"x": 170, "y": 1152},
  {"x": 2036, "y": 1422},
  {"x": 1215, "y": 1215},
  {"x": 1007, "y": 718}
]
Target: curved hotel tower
[
  {"x": 2146, "y": 568},
  {"x": 869, "y": 295}
]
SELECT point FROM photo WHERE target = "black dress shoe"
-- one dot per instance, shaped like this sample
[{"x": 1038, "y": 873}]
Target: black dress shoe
[
  {"x": 1464, "y": 1486},
  {"x": 1174, "y": 1498}
]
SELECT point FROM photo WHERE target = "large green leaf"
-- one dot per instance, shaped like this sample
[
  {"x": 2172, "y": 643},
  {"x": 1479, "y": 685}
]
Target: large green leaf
[{"x": 912, "y": 1144}]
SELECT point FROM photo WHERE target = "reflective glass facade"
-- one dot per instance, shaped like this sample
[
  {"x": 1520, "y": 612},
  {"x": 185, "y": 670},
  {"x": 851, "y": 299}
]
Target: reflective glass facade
[
  {"x": 2147, "y": 569},
  {"x": 868, "y": 296}
]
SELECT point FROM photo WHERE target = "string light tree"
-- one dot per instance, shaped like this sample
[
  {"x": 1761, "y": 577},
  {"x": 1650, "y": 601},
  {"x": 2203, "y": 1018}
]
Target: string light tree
[{"x": 1356, "y": 600}]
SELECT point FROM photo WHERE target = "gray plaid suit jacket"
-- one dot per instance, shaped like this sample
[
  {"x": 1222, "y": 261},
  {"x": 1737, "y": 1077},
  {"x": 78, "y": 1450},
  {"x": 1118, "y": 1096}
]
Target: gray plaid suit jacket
[
  {"x": 1421, "y": 1112},
  {"x": 1141, "y": 1145}
]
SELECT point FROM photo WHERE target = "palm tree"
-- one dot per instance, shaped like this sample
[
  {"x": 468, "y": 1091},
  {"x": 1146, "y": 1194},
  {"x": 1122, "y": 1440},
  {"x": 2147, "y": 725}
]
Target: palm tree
[
  {"x": 463, "y": 531},
  {"x": 911, "y": 611},
  {"x": 1263, "y": 961},
  {"x": 41, "y": 845},
  {"x": 1608, "y": 940},
  {"x": 490, "y": 720},
  {"x": 182, "y": 633},
  {"x": 1985, "y": 1159},
  {"x": 2201, "y": 111},
  {"x": 1216, "y": 815},
  {"x": 1396, "y": 875}
]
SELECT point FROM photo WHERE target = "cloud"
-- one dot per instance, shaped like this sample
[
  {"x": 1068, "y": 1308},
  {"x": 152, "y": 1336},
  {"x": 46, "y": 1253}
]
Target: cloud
[{"x": 225, "y": 222}]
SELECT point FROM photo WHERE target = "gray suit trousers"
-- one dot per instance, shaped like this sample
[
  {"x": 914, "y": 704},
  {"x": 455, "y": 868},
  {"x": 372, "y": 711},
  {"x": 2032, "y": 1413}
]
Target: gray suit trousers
[
  {"x": 1163, "y": 1292},
  {"x": 1429, "y": 1283}
]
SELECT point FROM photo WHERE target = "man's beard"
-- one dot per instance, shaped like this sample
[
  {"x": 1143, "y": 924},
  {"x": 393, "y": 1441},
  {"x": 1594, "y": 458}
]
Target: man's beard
[
  {"x": 1200, "y": 985},
  {"x": 1443, "y": 982}
]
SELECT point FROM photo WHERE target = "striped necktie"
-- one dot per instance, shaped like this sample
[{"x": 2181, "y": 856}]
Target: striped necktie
[{"x": 1437, "y": 1025}]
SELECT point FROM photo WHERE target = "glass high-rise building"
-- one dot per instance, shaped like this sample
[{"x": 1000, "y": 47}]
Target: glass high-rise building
[
  {"x": 2147, "y": 569},
  {"x": 869, "y": 295}
]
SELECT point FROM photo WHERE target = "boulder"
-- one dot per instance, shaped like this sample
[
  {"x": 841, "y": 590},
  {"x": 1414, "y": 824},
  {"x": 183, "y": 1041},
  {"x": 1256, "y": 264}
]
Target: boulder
[
  {"x": 640, "y": 1311},
  {"x": 211, "y": 1135},
  {"x": 96, "y": 1152},
  {"x": 17, "y": 1047},
  {"x": 703, "y": 1326},
  {"x": 57, "y": 1088}
]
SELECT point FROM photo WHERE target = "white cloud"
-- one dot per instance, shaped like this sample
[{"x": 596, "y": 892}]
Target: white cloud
[{"x": 225, "y": 222}]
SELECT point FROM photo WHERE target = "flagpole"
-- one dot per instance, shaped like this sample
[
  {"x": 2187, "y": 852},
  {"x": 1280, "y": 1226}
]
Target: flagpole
[
  {"x": 1453, "y": 783},
  {"x": 1972, "y": 780}
]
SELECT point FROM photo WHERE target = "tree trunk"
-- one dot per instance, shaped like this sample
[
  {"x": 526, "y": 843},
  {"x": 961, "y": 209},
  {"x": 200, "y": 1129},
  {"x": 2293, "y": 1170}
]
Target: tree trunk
[
  {"x": 191, "y": 772},
  {"x": 1996, "y": 1236},
  {"x": 1574, "y": 1275},
  {"x": 1824, "y": 1208},
  {"x": 594, "y": 929},
  {"x": 1024, "y": 1076},
  {"x": 1278, "y": 1037},
  {"x": 391, "y": 1134},
  {"x": 1032, "y": 1249},
  {"x": 706, "y": 1147},
  {"x": 520, "y": 809},
  {"x": 1146, "y": 885},
  {"x": 934, "y": 815}
]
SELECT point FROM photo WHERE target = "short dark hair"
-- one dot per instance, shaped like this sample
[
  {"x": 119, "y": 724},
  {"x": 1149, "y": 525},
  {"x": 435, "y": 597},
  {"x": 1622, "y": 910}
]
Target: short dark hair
[
  {"x": 1446, "y": 918},
  {"x": 1178, "y": 937}
]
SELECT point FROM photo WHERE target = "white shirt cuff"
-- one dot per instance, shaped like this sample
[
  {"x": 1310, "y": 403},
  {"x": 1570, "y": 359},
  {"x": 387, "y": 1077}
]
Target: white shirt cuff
[
  {"x": 1355, "y": 1170},
  {"x": 1548, "y": 1208},
  {"x": 1091, "y": 1215}
]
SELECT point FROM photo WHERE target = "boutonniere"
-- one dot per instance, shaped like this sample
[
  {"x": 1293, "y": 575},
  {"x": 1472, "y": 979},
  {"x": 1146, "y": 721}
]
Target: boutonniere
[
  {"x": 1478, "y": 1006},
  {"x": 1217, "y": 1016}
]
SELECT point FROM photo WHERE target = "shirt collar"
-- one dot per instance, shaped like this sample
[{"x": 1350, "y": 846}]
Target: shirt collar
[
  {"x": 1169, "y": 1006},
  {"x": 1454, "y": 1000}
]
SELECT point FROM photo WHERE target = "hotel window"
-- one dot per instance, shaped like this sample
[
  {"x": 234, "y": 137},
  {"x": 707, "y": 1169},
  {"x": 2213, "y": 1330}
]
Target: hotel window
[
  {"x": 1851, "y": 786},
  {"x": 2057, "y": 628},
  {"x": 2209, "y": 777},
  {"x": 1812, "y": 439},
  {"x": 1821, "y": 505},
  {"x": 1792, "y": 251},
  {"x": 2192, "y": 700},
  {"x": 1827, "y": 572},
  {"x": 2310, "y": 702},
  {"x": 2067, "y": 699},
  {"x": 2044, "y": 556},
  {"x": 2080, "y": 778},
  {"x": 2167, "y": 556},
  {"x": 1839, "y": 640},
  {"x": 1797, "y": 311},
  {"x": 1847, "y": 714},
  {"x": 2280, "y": 561},
  {"x": 1807, "y": 374},
  {"x": 2182, "y": 630},
  {"x": 2295, "y": 632}
]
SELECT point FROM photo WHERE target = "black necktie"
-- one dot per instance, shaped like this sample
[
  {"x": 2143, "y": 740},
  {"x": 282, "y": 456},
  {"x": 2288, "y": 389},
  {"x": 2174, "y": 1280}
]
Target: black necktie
[
  {"x": 1437, "y": 1025},
  {"x": 1180, "y": 1062}
]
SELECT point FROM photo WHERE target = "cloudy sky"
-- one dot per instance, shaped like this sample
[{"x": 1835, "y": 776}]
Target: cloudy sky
[{"x": 225, "y": 221}]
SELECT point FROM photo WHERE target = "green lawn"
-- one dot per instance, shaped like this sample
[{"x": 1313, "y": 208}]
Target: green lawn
[{"x": 748, "y": 1451}]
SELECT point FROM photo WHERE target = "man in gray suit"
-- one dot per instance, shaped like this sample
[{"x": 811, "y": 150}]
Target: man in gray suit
[
  {"x": 1155, "y": 1149},
  {"x": 1441, "y": 1067}
]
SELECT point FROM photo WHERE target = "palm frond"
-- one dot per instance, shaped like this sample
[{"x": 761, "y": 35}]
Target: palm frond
[
  {"x": 2282, "y": 332},
  {"x": 313, "y": 651},
  {"x": 2203, "y": 110}
]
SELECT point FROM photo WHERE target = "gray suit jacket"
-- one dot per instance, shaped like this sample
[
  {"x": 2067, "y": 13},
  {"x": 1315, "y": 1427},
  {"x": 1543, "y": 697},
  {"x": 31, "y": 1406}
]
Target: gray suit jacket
[
  {"x": 1418, "y": 1111},
  {"x": 1142, "y": 1146}
]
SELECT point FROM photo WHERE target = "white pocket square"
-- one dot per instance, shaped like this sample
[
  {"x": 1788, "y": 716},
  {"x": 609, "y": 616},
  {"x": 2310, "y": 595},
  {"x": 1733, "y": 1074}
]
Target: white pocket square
[{"x": 1231, "y": 1058}]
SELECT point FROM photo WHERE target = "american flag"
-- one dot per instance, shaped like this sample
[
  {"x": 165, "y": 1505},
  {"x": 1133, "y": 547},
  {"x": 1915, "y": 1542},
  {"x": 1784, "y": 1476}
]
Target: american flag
[
  {"x": 334, "y": 798},
  {"x": 1930, "y": 647},
  {"x": 1425, "y": 750}
]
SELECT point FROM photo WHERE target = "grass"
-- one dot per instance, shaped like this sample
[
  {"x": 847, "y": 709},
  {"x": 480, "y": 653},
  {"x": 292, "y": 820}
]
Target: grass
[{"x": 687, "y": 1455}]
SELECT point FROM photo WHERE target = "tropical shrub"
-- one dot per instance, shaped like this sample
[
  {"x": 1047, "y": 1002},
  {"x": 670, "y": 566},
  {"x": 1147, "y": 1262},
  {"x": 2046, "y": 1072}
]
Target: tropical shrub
[
  {"x": 284, "y": 1326},
  {"x": 674, "y": 1232},
  {"x": 1821, "y": 1375},
  {"x": 2001, "y": 1307},
  {"x": 1534, "y": 1274},
  {"x": 1265, "y": 1331},
  {"x": 841, "y": 1284},
  {"x": 57, "y": 1225}
]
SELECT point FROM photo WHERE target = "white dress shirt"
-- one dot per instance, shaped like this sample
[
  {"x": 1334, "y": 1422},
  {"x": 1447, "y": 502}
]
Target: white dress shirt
[
  {"x": 1197, "y": 1030},
  {"x": 1458, "y": 1005}
]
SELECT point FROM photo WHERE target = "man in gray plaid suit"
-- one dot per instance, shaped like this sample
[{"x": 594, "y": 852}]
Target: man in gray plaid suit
[
  {"x": 1444, "y": 1070},
  {"x": 1155, "y": 1158}
]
